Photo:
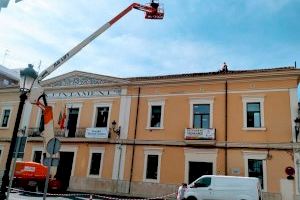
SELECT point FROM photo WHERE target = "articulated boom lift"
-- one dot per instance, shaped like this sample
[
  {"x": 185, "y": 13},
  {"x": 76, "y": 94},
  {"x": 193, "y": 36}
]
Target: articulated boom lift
[{"x": 152, "y": 10}]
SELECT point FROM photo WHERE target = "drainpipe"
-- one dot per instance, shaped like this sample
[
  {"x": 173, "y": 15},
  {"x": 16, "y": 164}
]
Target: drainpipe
[
  {"x": 226, "y": 121},
  {"x": 133, "y": 146}
]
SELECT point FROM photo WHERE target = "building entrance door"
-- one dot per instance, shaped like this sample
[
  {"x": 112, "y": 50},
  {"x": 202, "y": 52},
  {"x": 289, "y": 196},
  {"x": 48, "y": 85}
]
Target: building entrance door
[
  {"x": 72, "y": 121},
  {"x": 64, "y": 168},
  {"x": 197, "y": 169}
]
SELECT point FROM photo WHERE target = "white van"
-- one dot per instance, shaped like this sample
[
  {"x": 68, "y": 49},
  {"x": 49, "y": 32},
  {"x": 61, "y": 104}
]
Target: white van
[{"x": 214, "y": 187}]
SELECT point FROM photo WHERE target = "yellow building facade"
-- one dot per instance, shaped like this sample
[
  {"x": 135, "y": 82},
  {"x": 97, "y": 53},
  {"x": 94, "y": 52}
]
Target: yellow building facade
[{"x": 144, "y": 136}]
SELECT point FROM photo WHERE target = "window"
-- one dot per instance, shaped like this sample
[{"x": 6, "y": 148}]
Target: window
[
  {"x": 201, "y": 112},
  {"x": 253, "y": 115},
  {"x": 95, "y": 162},
  {"x": 253, "y": 108},
  {"x": 203, "y": 182},
  {"x": 5, "y": 117},
  {"x": 255, "y": 169},
  {"x": 152, "y": 164},
  {"x": 37, "y": 156},
  {"x": 102, "y": 116},
  {"x": 256, "y": 166},
  {"x": 155, "y": 114},
  {"x": 201, "y": 115}
]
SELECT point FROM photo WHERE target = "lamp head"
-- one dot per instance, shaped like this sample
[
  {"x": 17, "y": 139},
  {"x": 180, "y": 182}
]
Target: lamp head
[{"x": 27, "y": 78}]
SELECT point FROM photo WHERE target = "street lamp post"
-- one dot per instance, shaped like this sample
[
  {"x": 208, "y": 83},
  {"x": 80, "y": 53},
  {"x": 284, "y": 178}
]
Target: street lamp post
[{"x": 27, "y": 78}]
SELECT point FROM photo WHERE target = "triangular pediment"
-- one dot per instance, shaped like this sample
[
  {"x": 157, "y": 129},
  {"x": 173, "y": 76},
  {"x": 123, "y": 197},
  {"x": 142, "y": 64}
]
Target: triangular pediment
[{"x": 79, "y": 78}]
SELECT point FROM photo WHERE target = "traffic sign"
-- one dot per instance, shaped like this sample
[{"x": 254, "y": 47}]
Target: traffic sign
[
  {"x": 51, "y": 161},
  {"x": 53, "y": 146}
]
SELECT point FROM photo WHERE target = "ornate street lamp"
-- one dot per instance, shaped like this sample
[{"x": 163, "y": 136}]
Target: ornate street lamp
[
  {"x": 27, "y": 77},
  {"x": 115, "y": 129}
]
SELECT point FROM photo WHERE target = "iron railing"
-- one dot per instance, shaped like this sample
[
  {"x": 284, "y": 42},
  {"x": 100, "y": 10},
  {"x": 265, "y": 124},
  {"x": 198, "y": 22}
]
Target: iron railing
[{"x": 79, "y": 132}]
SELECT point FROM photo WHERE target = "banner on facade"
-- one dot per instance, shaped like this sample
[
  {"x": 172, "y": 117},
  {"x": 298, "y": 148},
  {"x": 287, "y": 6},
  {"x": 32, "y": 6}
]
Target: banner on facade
[
  {"x": 96, "y": 133},
  {"x": 199, "y": 133}
]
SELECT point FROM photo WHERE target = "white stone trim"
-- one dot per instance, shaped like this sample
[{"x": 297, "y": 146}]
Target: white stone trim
[
  {"x": 74, "y": 149},
  {"x": 204, "y": 100},
  {"x": 119, "y": 162},
  {"x": 257, "y": 155},
  {"x": 152, "y": 151},
  {"x": 294, "y": 111},
  {"x": 6, "y": 107},
  {"x": 74, "y": 105},
  {"x": 124, "y": 116},
  {"x": 253, "y": 99},
  {"x": 99, "y": 105},
  {"x": 156, "y": 102},
  {"x": 91, "y": 151},
  {"x": 199, "y": 155}
]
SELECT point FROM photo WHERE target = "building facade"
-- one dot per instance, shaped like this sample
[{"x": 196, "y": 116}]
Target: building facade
[{"x": 144, "y": 136}]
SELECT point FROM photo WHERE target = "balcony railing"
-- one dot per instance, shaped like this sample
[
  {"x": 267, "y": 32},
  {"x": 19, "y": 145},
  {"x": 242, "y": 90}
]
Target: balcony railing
[
  {"x": 200, "y": 134},
  {"x": 79, "y": 132}
]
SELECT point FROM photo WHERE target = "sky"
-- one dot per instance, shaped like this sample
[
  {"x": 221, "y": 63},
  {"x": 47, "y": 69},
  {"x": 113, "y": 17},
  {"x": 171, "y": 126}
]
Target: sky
[{"x": 194, "y": 36}]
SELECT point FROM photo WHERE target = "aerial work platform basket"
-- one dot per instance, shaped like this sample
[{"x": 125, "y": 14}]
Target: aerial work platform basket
[{"x": 157, "y": 12}]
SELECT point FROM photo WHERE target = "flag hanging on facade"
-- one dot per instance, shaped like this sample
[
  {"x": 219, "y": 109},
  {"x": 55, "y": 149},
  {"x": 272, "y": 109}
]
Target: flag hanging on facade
[{"x": 63, "y": 119}]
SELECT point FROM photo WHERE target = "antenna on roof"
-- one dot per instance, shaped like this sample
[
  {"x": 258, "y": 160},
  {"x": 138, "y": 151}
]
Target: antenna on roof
[{"x": 295, "y": 64}]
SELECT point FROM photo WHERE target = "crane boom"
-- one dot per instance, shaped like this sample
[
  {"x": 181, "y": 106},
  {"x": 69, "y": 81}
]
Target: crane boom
[{"x": 150, "y": 11}]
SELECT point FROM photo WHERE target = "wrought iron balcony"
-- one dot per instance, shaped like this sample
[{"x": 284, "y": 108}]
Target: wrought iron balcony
[
  {"x": 78, "y": 133},
  {"x": 200, "y": 134}
]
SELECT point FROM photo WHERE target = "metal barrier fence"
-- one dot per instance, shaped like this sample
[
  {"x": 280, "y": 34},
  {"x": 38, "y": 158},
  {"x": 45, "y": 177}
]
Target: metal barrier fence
[{"x": 91, "y": 196}]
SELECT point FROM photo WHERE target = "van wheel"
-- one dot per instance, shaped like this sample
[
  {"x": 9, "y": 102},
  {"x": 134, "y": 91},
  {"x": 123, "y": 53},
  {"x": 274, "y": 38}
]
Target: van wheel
[{"x": 191, "y": 198}]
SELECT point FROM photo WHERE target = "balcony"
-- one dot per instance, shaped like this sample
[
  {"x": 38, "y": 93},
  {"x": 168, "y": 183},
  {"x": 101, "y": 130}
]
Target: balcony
[
  {"x": 79, "y": 133},
  {"x": 200, "y": 134},
  {"x": 100, "y": 133}
]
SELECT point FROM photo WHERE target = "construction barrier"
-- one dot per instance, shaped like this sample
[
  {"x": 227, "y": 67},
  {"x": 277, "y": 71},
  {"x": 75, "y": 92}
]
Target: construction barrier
[{"x": 90, "y": 196}]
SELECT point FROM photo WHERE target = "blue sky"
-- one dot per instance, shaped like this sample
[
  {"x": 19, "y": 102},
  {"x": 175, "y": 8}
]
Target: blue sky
[{"x": 195, "y": 36}]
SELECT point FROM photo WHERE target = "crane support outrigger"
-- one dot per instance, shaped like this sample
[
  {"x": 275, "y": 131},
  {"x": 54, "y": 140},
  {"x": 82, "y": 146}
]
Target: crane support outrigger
[{"x": 153, "y": 10}]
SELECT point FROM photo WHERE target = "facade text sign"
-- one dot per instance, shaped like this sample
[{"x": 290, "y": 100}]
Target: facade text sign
[
  {"x": 96, "y": 133},
  {"x": 199, "y": 133}
]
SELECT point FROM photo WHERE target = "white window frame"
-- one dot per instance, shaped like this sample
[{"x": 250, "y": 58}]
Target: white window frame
[
  {"x": 39, "y": 148},
  {"x": 95, "y": 150},
  {"x": 98, "y": 105},
  {"x": 194, "y": 101},
  {"x": 199, "y": 155},
  {"x": 152, "y": 151},
  {"x": 155, "y": 102},
  {"x": 260, "y": 100},
  {"x": 257, "y": 155},
  {"x": 9, "y": 117}
]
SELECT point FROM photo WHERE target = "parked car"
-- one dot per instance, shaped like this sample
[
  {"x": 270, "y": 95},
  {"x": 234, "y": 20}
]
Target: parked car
[{"x": 215, "y": 187}]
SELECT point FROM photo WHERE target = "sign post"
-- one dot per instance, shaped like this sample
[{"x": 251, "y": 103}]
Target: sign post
[{"x": 53, "y": 147}]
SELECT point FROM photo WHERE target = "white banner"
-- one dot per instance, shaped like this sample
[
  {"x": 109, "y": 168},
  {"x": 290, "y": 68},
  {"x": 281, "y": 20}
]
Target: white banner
[
  {"x": 96, "y": 133},
  {"x": 199, "y": 133}
]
